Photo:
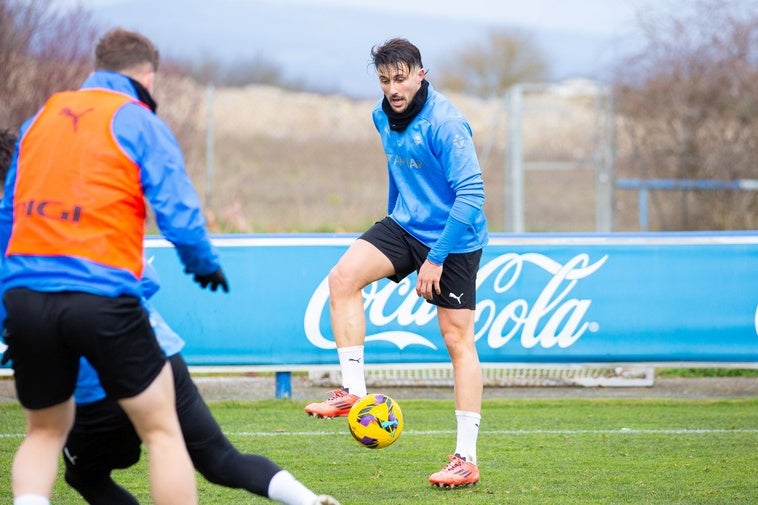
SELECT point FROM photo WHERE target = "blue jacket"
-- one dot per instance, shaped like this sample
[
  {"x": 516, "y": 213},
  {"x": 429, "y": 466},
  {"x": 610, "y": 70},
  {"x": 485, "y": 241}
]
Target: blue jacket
[
  {"x": 436, "y": 191},
  {"x": 148, "y": 141}
]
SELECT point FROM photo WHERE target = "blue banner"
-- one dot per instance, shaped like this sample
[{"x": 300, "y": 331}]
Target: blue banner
[{"x": 540, "y": 299}]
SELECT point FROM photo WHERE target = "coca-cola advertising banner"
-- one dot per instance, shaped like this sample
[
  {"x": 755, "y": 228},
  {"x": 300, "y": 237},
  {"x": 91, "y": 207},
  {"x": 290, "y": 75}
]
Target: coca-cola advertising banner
[{"x": 685, "y": 297}]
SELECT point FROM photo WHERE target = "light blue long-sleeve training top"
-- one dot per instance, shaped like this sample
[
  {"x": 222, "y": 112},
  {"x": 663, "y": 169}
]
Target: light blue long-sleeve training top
[{"x": 436, "y": 192}]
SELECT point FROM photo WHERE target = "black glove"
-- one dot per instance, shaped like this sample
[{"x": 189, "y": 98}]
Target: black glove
[{"x": 215, "y": 280}]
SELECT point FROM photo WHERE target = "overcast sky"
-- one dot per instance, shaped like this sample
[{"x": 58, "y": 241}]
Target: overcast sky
[
  {"x": 579, "y": 38},
  {"x": 594, "y": 16},
  {"x": 599, "y": 16},
  {"x": 452, "y": 24}
]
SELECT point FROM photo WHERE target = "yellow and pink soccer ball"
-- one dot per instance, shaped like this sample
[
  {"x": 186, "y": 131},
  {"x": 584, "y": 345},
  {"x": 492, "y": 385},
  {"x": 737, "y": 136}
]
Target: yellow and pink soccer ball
[{"x": 375, "y": 421}]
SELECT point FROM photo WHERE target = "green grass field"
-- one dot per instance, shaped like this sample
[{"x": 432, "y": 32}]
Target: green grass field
[{"x": 568, "y": 451}]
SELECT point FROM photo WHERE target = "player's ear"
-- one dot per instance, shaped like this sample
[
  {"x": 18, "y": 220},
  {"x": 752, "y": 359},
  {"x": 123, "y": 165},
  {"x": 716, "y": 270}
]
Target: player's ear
[{"x": 148, "y": 81}]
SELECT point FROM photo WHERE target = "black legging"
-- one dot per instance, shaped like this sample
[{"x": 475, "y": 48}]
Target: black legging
[
  {"x": 99, "y": 488},
  {"x": 213, "y": 455},
  {"x": 88, "y": 467}
]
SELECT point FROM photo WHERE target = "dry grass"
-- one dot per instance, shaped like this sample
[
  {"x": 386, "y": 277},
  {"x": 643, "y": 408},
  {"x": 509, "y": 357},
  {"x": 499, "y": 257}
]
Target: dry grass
[
  {"x": 293, "y": 185},
  {"x": 299, "y": 162}
]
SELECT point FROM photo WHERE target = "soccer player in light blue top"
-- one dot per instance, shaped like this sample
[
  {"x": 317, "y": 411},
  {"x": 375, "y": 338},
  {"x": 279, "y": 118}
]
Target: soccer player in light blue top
[{"x": 436, "y": 227}]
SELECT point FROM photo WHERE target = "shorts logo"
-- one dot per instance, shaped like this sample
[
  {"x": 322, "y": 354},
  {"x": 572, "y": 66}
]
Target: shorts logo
[
  {"x": 69, "y": 456},
  {"x": 458, "y": 297}
]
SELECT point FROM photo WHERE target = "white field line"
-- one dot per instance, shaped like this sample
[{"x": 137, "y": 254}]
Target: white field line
[
  {"x": 621, "y": 431},
  {"x": 413, "y": 433}
]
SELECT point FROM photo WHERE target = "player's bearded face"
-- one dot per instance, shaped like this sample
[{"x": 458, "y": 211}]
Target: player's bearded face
[{"x": 400, "y": 84}]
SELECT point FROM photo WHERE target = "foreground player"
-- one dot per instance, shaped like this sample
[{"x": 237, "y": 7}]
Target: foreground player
[
  {"x": 436, "y": 226},
  {"x": 103, "y": 439},
  {"x": 72, "y": 224}
]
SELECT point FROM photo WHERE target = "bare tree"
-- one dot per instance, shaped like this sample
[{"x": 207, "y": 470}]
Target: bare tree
[
  {"x": 43, "y": 49},
  {"x": 488, "y": 69},
  {"x": 689, "y": 101},
  {"x": 240, "y": 72}
]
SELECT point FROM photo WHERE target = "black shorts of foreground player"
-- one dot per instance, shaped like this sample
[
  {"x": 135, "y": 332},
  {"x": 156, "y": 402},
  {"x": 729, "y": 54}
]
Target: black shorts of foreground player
[{"x": 103, "y": 440}]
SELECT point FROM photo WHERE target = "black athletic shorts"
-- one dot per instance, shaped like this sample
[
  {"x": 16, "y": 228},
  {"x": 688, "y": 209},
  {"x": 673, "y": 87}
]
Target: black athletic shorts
[
  {"x": 48, "y": 332},
  {"x": 407, "y": 254}
]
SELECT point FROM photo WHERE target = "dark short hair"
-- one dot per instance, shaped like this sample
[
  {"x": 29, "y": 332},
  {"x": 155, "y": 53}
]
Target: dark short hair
[
  {"x": 7, "y": 146},
  {"x": 121, "y": 49},
  {"x": 396, "y": 52}
]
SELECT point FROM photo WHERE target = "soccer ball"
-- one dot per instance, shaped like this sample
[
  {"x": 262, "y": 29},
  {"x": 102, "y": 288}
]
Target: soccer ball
[{"x": 375, "y": 421}]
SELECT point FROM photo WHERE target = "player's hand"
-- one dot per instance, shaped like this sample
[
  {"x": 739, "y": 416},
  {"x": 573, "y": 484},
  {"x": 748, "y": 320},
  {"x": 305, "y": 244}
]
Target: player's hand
[
  {"x": 213, "y": 280},
  {"x": 428, "y": 281}
]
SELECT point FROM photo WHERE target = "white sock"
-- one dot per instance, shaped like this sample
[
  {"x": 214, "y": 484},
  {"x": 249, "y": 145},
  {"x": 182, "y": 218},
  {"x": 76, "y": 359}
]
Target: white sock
[
  {"x": 468, "y": 431},
  {"x": 351, "y": 365},
  {"x": 285, "y": 488},
  {"x": 31, "y": 499}
]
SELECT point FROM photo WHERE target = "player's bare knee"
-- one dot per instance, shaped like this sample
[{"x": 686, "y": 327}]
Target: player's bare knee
[
  {"x": 340, "y": 284},
  {"x": 459, "y": 346}
]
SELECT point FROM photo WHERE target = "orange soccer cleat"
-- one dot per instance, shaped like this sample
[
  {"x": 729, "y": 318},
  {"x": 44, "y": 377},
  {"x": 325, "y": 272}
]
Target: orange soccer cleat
[
  {"x": 337, "y": 405},
  {"x": 458, "y": 472}
]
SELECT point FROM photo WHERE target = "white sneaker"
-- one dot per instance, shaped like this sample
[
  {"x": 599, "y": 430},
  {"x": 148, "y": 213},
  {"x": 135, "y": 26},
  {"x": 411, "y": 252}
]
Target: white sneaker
[{"x": 325, "y": 500}]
